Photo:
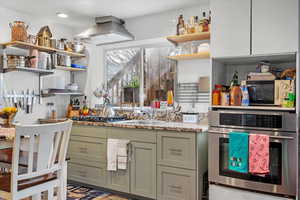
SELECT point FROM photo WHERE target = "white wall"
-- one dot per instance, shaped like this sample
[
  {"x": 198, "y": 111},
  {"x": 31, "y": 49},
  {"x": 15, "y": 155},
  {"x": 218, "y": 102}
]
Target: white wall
[
  {"x": 161, "y": 24},
  {"x": 23, "y": 80},
  {"x": 152, "y": 29},
  {"x": 189, "y": 71}
]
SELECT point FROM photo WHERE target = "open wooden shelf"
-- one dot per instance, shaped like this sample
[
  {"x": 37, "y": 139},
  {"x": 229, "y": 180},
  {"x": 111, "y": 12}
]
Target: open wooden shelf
[
  {"x": 70, "y": 69},
  {"x": 189, "y": 37},
  {"x": 202, "y": 55},
  {"x": 277, "y": 108},
  {"x": 25, "y": 45},
  {"x": 42, "y": 72},
  {"x": 51, "y": 94}
]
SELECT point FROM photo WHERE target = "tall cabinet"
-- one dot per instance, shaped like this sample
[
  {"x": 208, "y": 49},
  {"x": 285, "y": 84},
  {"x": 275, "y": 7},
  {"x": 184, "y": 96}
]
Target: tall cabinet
[
  {"x": 230, "y": 34},
  {"x": 253, "y": 27},
  {"x": 274, "y": 26}
]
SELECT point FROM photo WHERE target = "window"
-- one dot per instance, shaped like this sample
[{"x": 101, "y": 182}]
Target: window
[{"x": 137, "y": 76}]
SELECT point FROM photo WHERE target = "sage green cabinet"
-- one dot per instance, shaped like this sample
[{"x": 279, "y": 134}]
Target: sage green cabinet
[
  {"x": 143, "y": 169},
  {"x": 162, "y": 165},
  {"x": 175, "y": 184},
  {"x": 176, "y": 149},
  {"x": 93, "y": 149},
  {"x": 119, "y": 180},
  {"x": 87, "y": 174}
]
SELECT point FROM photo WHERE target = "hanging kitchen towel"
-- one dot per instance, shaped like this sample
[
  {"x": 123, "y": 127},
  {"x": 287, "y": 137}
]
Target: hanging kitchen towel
[
  {"x": 238, "y": 152},
  {"x": 112, "y": 154},
  {"x": 259, "y": 154},
  {"x": 122, "y": 154}
]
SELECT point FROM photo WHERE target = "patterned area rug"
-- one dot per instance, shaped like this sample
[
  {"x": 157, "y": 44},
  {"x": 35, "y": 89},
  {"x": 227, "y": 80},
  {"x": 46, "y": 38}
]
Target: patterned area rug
[{"x": 84, "y": 193}]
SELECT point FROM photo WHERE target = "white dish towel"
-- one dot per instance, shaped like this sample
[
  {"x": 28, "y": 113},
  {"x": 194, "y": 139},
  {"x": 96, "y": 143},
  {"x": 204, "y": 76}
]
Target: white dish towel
[
  {"x": 122, "y": 154},
  {"x": 117, "y": 154}
]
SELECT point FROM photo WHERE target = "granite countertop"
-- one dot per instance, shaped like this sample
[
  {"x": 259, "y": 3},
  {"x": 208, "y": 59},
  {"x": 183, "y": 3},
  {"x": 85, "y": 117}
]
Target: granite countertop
[{"x": 167, "y": 126}]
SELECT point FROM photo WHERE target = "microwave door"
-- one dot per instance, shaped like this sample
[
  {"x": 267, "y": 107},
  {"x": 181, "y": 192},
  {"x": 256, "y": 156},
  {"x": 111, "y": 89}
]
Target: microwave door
[
  {"x": 252, "y": 94},
  {"x": 261, "y": 93}
]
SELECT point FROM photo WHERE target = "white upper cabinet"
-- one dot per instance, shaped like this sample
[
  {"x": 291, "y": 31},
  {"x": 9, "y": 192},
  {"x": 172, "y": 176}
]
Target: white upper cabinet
[
  {"x": 231, "y": 28},
  {"x": 274, "y": 26}
]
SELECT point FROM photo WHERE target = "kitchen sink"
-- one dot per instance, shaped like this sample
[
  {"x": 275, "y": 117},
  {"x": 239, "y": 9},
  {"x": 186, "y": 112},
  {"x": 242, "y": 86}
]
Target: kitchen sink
[{"x": 141, "y": 122}]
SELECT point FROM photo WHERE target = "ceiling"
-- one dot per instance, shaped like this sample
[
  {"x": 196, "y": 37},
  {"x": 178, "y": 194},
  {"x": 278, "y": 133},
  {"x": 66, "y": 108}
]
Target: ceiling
[{"x": 83, "y": 11}]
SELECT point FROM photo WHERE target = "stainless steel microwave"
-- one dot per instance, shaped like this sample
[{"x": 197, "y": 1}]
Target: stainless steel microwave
[{"x": 268, "y": 92}]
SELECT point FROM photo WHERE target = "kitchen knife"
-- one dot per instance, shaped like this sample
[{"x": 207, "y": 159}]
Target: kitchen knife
[
  {"x": 33, "y": 99},
  {"x": 15, "y": 100},
  {"x": 28, "y": 101},
  {"x": 23, "y": 100}
]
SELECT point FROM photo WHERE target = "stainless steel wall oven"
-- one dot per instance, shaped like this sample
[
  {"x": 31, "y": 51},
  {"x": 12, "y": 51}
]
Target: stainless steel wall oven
[{"x": 279, "y": 126}]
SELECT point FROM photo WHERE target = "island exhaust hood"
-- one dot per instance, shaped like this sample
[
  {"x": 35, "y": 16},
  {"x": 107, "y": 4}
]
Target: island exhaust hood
[{"x": 107, "y": 30}]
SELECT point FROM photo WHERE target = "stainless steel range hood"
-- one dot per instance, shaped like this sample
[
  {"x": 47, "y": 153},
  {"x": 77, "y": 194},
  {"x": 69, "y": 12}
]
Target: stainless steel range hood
[{"x": 107, "y": 30}]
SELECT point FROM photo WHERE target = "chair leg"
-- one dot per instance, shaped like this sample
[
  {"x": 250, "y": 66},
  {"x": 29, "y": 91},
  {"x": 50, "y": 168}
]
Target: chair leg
[
  {"x": 36, "y": 197},
  {"x": 62, "y": 188},
  {"x": 51, "y": 194}
]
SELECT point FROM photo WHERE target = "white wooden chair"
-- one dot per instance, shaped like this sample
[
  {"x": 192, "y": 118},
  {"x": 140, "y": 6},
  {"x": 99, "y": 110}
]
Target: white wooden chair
[{"x": 46, "y": 165}]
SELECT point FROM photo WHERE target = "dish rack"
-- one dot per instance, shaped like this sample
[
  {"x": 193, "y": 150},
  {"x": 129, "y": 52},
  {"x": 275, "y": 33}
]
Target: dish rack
[{"x": 189, "y": 93}]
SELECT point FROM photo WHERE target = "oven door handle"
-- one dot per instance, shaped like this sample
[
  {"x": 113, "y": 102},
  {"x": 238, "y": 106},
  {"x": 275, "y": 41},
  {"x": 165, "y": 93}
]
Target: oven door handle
[{"x": 273, "y": 137}]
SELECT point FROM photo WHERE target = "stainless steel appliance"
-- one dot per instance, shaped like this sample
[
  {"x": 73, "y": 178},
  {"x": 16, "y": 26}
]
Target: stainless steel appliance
[
  {"x": 268, "y": 92},
  {"x": 280, "y": 126}
]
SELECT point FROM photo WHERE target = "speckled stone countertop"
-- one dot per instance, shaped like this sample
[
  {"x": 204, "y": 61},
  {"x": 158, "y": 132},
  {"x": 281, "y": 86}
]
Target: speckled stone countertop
[{"x": 166, "y": 126}]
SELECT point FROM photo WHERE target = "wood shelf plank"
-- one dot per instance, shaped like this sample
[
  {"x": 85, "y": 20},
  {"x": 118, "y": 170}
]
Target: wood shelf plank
[
  {"x": 189, "y": 37},
  {"x": 51, "y": 94},
  {"x": 256, "y": 108},
  {"x": 71, "y": 69},
  {"x": 25, "y": 45},
  {"x": 27, "y": 69},
  {"x": 202, "y": 55}
]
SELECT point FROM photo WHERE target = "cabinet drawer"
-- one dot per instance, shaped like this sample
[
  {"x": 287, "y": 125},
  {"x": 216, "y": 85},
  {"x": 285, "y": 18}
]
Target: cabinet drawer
[
  {"x": 88, "y": 175},
  {"x": 176, "y": 184},
  {"x": 89, "y": 131},
  {"x": 94, "y": 151},
  {"x": 177, "y": 149},
  {"x": 139, "y": 135}
]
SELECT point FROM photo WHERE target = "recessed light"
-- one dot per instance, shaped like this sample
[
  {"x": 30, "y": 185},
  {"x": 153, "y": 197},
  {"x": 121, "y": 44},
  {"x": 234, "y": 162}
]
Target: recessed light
[{"x": 62, "y": 15}]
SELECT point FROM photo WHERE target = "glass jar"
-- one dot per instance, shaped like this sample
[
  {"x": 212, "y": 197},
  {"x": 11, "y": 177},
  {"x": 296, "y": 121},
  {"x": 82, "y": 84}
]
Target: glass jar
[{"x": 216, "y": 95}]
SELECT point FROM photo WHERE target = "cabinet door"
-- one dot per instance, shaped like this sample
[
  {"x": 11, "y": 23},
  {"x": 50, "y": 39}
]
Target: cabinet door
[
  {"x": 176, "y": 184},
  {"x": 274, "y": 26},
  {"x": 231, "y": 28},
  {"x": 88, "y": 175},
  {"x": 119, "y": 180},
  {"x": 176, "y": 149},
  {"x": 143, "y": 170}
]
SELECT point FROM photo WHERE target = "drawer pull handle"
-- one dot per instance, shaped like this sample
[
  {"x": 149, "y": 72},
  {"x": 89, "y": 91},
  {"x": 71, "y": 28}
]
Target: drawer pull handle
[
  {"x": 81, "y": 173},
  {"x": 83, "y": 150},
  {"x": 175, "y": 189},
  {"x": 176, "y": 152}
]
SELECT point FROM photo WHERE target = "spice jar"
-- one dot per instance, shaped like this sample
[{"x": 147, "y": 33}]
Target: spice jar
[
  {"x": 216, "y": 95},
  {"x": 225, "y": 98},
  {"x": 52, "y": 113}
]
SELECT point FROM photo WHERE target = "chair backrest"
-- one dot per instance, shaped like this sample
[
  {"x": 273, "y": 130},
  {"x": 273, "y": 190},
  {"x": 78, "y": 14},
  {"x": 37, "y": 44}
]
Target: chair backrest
[{"x": 44, "y": 148}]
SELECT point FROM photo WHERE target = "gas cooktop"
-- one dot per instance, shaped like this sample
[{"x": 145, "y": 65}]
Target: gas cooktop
[{"x": 98, "y": 119}]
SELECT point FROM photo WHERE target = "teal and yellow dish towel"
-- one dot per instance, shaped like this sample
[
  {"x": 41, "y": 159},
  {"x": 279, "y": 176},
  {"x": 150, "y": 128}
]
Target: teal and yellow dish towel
[{"x": 238, "y": 152}]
